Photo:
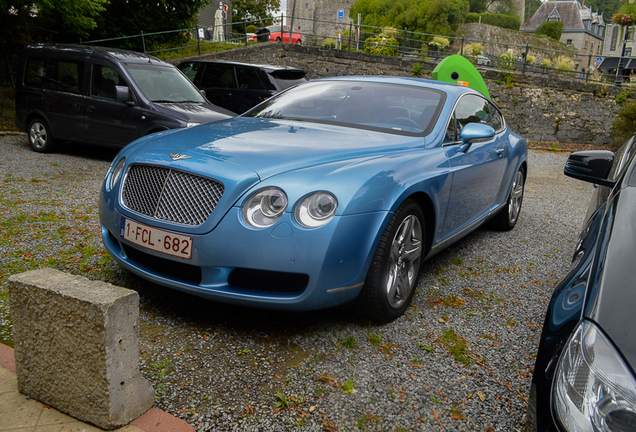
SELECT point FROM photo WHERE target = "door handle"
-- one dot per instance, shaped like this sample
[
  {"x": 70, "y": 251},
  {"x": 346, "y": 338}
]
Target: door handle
[
  {"x": 90, "y": 108},
  {"x": 499, "y": 151}
]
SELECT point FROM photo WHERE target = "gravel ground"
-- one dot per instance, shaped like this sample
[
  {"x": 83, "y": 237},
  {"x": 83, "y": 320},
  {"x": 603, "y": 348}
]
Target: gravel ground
[{"x": 461, "y": 358}]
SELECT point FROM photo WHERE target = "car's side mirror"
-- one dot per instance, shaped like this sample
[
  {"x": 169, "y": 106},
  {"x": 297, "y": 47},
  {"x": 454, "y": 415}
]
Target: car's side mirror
[
  {"x": 592, "y": 166},
  {"x": 203, "y": 93},
  {"x": 122, "y": 93},
  {"x": 473, "y": 132}
]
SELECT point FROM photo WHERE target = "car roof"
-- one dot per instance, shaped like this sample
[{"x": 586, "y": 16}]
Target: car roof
[
  {"x": 451, "y": 89},
  {"x": 267, "y": 67},
  {"x": 98, "y": 51}
]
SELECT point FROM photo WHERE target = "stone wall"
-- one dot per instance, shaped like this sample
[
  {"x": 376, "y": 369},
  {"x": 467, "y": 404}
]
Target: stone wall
[{"x": 540, "y": 107}]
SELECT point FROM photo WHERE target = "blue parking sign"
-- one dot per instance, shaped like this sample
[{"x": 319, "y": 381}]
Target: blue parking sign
[{"x": 340, "y": 13}]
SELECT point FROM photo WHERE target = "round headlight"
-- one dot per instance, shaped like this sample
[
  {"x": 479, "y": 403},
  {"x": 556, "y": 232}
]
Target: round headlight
[
  {"x": 117, "y": 172},
  {"x": 316, "y": 209},
  {"x": 265, "y": 207}
]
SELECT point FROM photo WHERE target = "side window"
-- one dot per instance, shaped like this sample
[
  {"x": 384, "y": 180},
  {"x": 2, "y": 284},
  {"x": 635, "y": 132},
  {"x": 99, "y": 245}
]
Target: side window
[
  {"x": 65, "y": 76},
  {"x": 219, "y": 75},
  {"x": 472, "y": 109},
  {"x": 496, "y": 118},
  {"x": 452, "y": 134},
  {"x": 104, "y": 80},
  {"x": 248, "y": 78},
  {"x": 35, "y": 73},
  {"x": 190, "y": 70}
]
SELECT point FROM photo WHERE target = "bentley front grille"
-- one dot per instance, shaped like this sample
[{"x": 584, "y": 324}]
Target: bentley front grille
[{"x": 170, "y": 195}]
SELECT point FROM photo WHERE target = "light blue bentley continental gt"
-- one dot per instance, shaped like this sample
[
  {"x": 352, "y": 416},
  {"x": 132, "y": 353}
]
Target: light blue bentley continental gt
[{"x": 334, "y": 191}]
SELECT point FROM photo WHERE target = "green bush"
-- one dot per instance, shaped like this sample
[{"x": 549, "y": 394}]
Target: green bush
[
  {"x": 624, "y": 124},
  {"x": 551, "y": 29},
  {"x": 328, "y": 43},
  {"x": 564, "y": 63},
  {"x": 250, "y": 28},
  {"x": 381, "y": 46},
  {"x": 546, "y": 63},
  {"x": 531, "y": 59},
  {"x": 417, "y": 70},
  {"x": 498, "y": 20}
]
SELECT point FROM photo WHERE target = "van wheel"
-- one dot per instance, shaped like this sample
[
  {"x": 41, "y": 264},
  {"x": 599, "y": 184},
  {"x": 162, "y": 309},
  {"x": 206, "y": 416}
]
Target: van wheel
[{"x": 40, "y": 136}]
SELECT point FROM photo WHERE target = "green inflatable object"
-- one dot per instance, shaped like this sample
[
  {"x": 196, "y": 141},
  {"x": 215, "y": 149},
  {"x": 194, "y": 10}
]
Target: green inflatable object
[{"x": 458, "y": 70}]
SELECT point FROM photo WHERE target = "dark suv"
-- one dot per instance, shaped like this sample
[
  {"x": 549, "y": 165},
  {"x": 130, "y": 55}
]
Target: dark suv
[
  {"x": 240, "y": 86},
  {"x": 103, "y": 95}
]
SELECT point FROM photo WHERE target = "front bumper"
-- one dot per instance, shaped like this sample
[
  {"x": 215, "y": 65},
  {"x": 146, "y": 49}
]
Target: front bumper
[{"x": 282, "y": 267}]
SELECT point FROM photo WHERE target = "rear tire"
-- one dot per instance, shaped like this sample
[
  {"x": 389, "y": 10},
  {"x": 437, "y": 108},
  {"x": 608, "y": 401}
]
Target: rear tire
[
  {"x": 508, "y": 216},
  {"x": 40, "y": 136},
  {"x": 396, "y": 264}
]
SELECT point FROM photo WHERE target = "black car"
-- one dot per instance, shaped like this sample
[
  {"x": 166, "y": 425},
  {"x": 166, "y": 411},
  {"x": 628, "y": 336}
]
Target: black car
[
  {"x": 584, "y": 376},
  {"x": 240, "y": 86},
  {"x": 103, "y": 96}
]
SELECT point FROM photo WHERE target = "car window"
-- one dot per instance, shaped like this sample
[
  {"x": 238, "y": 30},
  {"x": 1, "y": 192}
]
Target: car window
[
  {"x": 35, "y": 72},
  {"x": 394, "y": 108},
  {"x": 219, "y": 76},
  {"x": 282, "y": 79},
  {"x": 190, "y": 70},
  {"x": 247, "y": 78},
  {"x": 103, "y": 81},
  {"x": 65, "y": 76},
  {"x": 161, "y": 83},
  {"x": 60, "y": 75},
  {"x": 473, "y": 109}
]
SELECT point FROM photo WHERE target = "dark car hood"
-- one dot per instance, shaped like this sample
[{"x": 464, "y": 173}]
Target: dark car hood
[
  {"x": 194, "y": 112},
  {"x": 612, "y": 300}
]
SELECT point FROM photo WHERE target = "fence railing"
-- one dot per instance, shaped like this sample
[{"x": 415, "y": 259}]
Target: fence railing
[{"x": 507, "y": 57}]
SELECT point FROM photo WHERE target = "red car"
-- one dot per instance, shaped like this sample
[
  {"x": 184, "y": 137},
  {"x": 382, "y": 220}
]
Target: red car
[{"x": 275, "y": 34}]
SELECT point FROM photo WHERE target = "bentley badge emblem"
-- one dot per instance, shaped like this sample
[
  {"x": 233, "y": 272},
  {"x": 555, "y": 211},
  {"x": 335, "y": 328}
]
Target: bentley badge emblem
[{"x": 178, "y": 156}]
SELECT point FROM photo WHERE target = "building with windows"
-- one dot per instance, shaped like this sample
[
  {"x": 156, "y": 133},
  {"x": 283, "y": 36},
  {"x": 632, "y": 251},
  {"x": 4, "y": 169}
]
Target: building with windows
[
  {"x": 583, "y": 29},
  {"x": 617, "y": 38}
]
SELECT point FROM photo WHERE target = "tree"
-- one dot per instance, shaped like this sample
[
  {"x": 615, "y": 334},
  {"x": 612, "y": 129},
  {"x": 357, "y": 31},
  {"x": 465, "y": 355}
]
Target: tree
[
  {"x": 551, "y": 29},
  {"x": 257, "y": 12},
  {"x": 427, "y": 16},
  {"x": 25, "y": 21},
  {"x": 130, "y": 17}
]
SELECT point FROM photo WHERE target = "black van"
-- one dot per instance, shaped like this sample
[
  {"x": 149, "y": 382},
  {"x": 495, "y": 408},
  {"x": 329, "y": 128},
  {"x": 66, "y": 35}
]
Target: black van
[
  {"x": 103, "y": 95},
  {"x": 240, "y": 86}
]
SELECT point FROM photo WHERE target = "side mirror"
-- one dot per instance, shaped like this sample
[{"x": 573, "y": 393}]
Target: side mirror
[
  {"x": 476, "y": 132},
  {"x": 592, "y": 166},
  {"x": 203, "y": 93},
  {"x": 122, "y": 93}
]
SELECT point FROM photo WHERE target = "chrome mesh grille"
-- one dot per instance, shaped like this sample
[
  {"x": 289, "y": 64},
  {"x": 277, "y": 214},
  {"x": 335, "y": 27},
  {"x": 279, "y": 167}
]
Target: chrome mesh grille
[{"x": 169, "y": 195}]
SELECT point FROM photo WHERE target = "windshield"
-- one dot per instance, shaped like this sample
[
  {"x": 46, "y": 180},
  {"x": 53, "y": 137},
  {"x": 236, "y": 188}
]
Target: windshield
[
  {"x": 161, "y": 83},
  {"x": 370, "y": 105}
]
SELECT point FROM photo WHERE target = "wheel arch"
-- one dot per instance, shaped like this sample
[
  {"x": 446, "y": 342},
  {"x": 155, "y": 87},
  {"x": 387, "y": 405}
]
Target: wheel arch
[
  {"x": 37, "y": 114},
  {"x": 428, "y": 209}
]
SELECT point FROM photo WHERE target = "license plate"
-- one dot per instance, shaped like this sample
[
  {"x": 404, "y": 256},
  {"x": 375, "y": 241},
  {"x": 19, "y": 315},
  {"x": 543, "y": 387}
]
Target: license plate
[{"x": 156, "y": 239}]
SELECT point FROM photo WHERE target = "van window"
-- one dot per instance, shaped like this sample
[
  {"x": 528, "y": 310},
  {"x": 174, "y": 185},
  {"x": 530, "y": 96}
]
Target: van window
[
  {"x": 104, "y": 80},
  {"x": 65, "y": 76},
  {"x": 35, "y": 73}
]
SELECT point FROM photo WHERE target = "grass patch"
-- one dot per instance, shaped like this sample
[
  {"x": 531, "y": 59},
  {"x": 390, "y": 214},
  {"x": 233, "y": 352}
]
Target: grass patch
[{"x": 456, "y": 345}]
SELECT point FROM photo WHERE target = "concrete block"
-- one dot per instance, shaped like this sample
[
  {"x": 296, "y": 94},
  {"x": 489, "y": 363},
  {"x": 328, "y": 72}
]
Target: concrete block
[{"x": 77, "y": 346}]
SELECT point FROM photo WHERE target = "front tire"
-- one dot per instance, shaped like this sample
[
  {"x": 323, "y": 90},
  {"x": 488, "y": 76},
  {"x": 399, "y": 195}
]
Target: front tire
[
  {"x": 40, "y": 136},
  {"x": 508, "y": 216},
  {"x": 395, "y": 268}
]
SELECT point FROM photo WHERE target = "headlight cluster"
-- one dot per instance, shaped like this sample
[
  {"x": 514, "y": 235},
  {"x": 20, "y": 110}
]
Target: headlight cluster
[
  {"x": 116, "y": 173},
  {"x": 593, "y": 388},
  {"x": 265, "y": 207}
]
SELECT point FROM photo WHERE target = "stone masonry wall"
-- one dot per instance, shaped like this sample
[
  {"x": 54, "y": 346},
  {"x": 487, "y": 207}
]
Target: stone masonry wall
[{"x": 539, "y": 107}]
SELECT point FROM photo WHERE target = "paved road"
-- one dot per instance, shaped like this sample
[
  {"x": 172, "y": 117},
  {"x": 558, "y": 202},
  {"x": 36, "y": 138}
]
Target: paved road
[{"x": 460, "y": 359}]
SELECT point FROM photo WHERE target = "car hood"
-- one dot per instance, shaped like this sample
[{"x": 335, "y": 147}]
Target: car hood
[
  {"x": 268, "y": 147},
  {"x": 612, "y": 300},
  {"x": 243, "y": 152},
  {"x": 194, "y": 112}
]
